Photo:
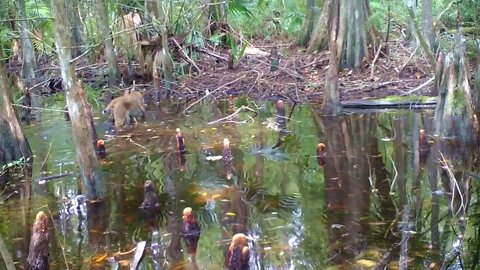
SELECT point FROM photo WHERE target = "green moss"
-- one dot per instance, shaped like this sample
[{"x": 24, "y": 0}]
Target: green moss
[
  {"x": 459, "y": 102},
  {"x": 407, "y": 99}
]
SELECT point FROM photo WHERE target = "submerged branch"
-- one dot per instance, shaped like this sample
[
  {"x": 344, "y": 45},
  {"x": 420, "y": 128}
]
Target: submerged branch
[{"x": 52, "y": 177}]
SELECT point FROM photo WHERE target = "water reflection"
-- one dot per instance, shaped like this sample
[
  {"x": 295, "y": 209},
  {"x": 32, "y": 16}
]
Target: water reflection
[{"x": 373, "y": 197}]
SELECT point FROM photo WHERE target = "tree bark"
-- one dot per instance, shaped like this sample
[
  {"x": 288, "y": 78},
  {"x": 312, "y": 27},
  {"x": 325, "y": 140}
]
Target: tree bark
[
  {"x": 352, "y": 38},
  {"x": 103, "y": 24},
  {"x": 427, "y": 24},
  {"x": 82, "y": 135},
  {"x": 152, "y": 9},
  {"x": 476, "y": 86},
  {"x": 29, "y": 62},
  {"x": 319, "y": 38},
  {"x": 309, "y": 22},
  {"x": 77, "y": 28},
  {"x": 331, "y": 95},
  {"x": 38, "y": 252},
  {"x": 421, "y": 38},
  {"x": 167, "y": 62},
  {"x": 13, "y": 144},
  {"x": 454, "y": 112}
]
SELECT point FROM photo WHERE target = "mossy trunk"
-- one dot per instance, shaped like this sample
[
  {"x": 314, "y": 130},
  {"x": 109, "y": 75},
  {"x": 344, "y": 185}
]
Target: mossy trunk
[
  {"x": 104, "y": 26},
  {"x": 454, "y": 112},
  {"x": 13, "y": 144},
  {"x": 29, "y": 62},
  {"x": 81, "y": 127}
]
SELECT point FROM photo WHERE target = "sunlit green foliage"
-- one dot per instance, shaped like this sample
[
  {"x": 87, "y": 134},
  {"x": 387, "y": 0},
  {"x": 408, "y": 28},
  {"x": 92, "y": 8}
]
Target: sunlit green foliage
[{"x": 258, "y": 19}]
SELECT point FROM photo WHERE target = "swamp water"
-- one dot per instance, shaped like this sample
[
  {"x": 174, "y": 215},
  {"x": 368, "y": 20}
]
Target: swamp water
[{"x": 371, "y": 202}]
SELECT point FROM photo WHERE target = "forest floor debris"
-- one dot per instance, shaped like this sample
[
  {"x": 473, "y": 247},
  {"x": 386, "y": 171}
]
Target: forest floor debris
[{"x": 300, "y": 77}]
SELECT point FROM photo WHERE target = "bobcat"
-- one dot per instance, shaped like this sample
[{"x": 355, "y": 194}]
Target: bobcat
[{"x": 124, "y": 107}]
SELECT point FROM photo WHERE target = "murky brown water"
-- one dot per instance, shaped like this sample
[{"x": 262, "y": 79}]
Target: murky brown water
[{"x": 375, "y": 202}]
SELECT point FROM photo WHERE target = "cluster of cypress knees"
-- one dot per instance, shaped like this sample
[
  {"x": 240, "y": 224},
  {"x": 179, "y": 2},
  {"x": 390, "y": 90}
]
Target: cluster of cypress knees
[{"x": 238, "y": 252}]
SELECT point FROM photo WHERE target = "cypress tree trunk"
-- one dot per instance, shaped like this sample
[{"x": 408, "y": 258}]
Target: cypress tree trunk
[
  {"x": 476, "y": 87},
  {"x": 331, "y": 95},
  {"x": 13, "y": 144},
  {"x": 166, "y": 60},
  {"x": 427, "y": 24},
  {"x": 421, "y": 38},
  {"x": 454, "y": 112},
  {"x": 352, "y": 38},
  {"x": 309, "y": 22},
  {"x": 77, "y": 28},
  {"x": 29, "y": 62},
  {"x": 103, "y": 24},
  {"x": 319, "y": 38},
  {"x": 82, "y": 134}
]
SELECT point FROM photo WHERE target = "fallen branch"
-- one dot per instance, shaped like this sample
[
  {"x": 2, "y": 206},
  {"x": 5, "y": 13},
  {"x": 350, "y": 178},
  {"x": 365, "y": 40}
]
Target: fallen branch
[
  {"x": 210, "y": 93},
  {"x": 38, "y": 84},
  {"x": 271, "y": 46},
  {"x": 212, "y": 54},
  {"x": 227, "y": 118},
  {"x": 372, "y": 70},
  {"x": 46, "y": 178},
  {"x": 137, "y": 144},
  {"x": 187, "y": 58},
  {"x": 408, "y": 61},
  {"x": 420, "y": 86}
]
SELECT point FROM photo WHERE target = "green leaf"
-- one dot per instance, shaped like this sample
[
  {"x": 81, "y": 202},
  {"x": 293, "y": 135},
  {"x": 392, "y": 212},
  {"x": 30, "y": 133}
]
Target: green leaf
[{"x": 239, "y": 7}]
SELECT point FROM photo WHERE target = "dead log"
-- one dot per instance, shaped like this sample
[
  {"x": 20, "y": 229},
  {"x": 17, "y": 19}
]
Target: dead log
[{"x": 38, "y": 252}]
